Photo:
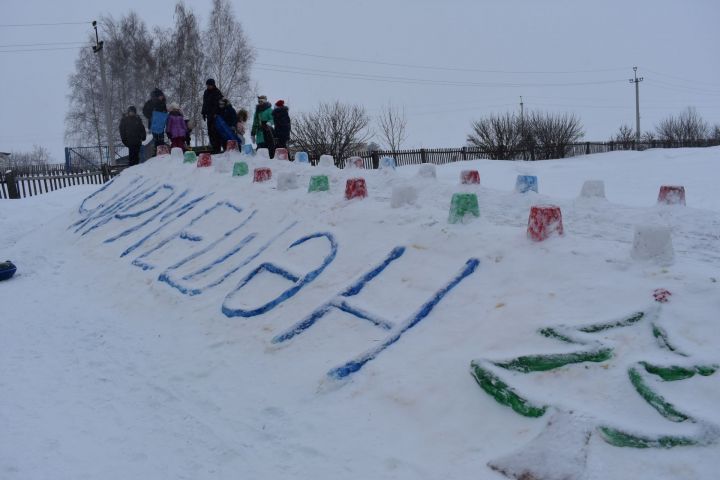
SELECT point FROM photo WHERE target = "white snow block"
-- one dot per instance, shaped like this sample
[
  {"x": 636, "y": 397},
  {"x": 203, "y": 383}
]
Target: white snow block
[
  {"x": 326, "y": 161},
  {"x": 403, "y": 195},
  {"x": 559, "y": 452},
  {"x": 176, "y": 154},
  {"x": 427, "y": 170},
  {"x": 222, "y": 164},
  {"x": 652, "y": 242},
  {"x": 287, "y": 181},
  {"x": 593, "y": 189},
  {"x": 262, "y": 154}
]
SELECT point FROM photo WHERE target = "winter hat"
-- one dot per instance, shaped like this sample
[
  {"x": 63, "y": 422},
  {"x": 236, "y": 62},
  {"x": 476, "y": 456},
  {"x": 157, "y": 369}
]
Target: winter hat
[
  {"x": 173, "y": 107},
  {"x": 157, "y": 93},
  {"x": 280, "y": 103},
  {"x": 210, "y": 81},
  {"x": 262, "y": 98},
  {"x": 132, "y": 109}
]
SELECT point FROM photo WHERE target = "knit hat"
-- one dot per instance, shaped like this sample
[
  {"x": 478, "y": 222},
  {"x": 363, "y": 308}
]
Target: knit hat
[
  {"x": 132, "y": 109},
  {"x": 157, "y": 93},
  {"x": 210, "y": 81},
  {"x": 262, "y": 98},
  {"x": 280, "y": 103},
  {"x": 173, "y": 107}
]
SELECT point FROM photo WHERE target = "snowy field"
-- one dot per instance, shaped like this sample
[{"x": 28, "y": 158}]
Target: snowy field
[{"x": 182, "y": 323}]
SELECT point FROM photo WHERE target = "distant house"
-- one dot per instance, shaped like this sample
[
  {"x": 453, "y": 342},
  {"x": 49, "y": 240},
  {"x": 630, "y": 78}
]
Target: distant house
[{"x": 4, "y": 160}]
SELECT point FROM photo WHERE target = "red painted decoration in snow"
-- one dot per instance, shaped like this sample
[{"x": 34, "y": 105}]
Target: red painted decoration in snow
[
  {"x": 231, "y": 145},
  {"x": 262, "y": 174},
  {"x": 661, "y": 295},
  {"x": 672, "y": 195},
  {"x": 205, "y": 160},
  {"x": 163, "y": 150},
  {"x": 544, "y": 221},
  {"x": 355, "y": 188},
  {"x": 281, "y": 154},
  {"x": 470, "y": 177}
]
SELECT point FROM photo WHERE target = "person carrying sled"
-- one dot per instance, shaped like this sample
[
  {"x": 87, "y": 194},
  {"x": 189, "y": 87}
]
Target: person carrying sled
[
  {"x": 132, "y": 134},
  {"x": 262, "y": 133},
  {"x": 281, "y": 117},
  {"x": 176, "y": 127},
  {"x": 155, "y": 110},
  {"x": 210, "y": 108}
]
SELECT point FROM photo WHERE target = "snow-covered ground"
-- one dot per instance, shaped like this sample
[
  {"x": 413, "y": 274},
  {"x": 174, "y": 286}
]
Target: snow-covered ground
[{"x": 136, "y": 339}]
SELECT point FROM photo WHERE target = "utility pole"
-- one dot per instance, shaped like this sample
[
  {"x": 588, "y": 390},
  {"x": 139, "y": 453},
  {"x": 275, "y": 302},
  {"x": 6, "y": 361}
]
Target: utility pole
[
  {"x": 98, "y": 48},
  {"x": 637, "y": 81}
]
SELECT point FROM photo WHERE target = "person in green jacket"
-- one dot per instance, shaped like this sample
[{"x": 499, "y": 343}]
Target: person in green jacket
[{"x": 261, "y": 132}]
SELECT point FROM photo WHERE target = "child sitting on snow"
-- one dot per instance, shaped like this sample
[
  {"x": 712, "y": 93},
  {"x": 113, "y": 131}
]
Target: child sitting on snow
[{"x": 176, "y": 127}]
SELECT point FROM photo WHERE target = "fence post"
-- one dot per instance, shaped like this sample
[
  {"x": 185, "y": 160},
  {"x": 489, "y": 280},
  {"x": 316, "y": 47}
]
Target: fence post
[
  {"x": 634, "y": 146},
  {"x": 464, "y": 153},
  {"x": 587, "y": 148},
  {"x": 67, "y": 159},
  {"x": 423, "y": 155},
  {"x": 105, "y": 169},
  {"x": 375, "y": 159},
  {"x": 12, "y": 186}
]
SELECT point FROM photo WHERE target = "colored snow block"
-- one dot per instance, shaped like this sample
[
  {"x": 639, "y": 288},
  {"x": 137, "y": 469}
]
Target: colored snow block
[
  {"x": 263, "y": 154},
  {"x": 319, "y": 183},
  {"x": 302, "y": 157},
  {"x": 262, "y": 174},
  {"x": 163, "y": 150},
  {"x": 282, "y": 154},
  {"x": 240, "y": 169},
  {"x": 7, "y": 270},
  {"x": 671, "y": 195},
  {"x": 354, "y": 162},
  {"x": 544, "y": 220},
  {"x": 190, "y": 157},
  {"x": 593, "y": 189},
  {"x": 231, "y": 146},
  {"x": 223, "y": 164},
  {"x": 387, "y": 163},
  {"x": 403, "y": 195},
  {"x": 525, "y": 183},
  {"x": 355, "y": 188},
  {"x": 463, "y": 204},
  {"x": 470, "y": 177},
  {"x": 652, "y": 242},
  {"x": 205, "y": 160},
  {"x": 427, "y": 170},
  {"x": 326, "y": 161},
  {"x": 176, "y": 153},
  {"x": 287, "y": 181},
  {"x": 248, "y": 149}
]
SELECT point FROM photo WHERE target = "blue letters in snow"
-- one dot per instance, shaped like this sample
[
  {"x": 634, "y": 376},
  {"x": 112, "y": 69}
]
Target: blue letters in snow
[{"x": 298, "y": 282}]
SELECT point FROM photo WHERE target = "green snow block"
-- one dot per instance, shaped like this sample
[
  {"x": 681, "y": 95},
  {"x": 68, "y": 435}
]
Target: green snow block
[
  {"x": 319, "y": 183},
  {"x": 664, "y": 408},
  {"x": 674, "y": 372},
  {"x": 463, "y": 204},
  {"x": 618, "y": 438},
  {"x": 503, "y": 394},
  {"x": 542, "y": 363},
  {"x": 190, "y": 157},
  {"x": 626, "y": 322},
  {"x": 240, "y": 169}
]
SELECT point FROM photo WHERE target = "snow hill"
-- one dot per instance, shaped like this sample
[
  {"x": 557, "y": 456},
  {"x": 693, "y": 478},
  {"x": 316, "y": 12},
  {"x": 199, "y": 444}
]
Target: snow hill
[{"x": 183, "y": 323}]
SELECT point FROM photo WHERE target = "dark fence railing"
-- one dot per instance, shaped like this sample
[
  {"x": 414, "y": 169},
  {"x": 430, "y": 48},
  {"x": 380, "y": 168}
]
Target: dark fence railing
[{"x": 27, "y": 181}]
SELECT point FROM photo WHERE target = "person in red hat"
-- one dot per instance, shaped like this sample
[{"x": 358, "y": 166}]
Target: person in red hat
[{"x": 281, "y": 117}]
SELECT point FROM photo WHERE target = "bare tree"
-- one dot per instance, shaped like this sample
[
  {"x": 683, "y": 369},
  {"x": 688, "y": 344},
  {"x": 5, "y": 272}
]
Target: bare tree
[
  {"x": 624, "y": 136},
  {"x": 336, "y": 129},
  {"x": 715, "y": 135},
  {"x": 553, "y": 133},
  {"x": 688, "y": 126},
  {"x": 37, "y": 156},
  {"x": 498, "y": 135},
  {"x": 84, "y": 116},
  {"x": 392, "y": 123},
  {"x": 648, "y": 136}
]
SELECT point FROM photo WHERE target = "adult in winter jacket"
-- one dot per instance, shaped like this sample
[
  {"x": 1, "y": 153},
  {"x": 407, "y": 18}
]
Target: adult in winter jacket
[
  {"x": 176, "y": 127},
  {"x": 261, "y": 130},
  {"x": 132, "y": 134},
  {"x": 281, "y": 116},
  {"x": 210, "y": 108},
  {"x": 156, "y": 104}
]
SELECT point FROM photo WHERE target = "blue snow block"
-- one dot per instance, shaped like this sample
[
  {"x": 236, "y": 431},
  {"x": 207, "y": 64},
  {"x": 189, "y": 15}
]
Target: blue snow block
[
  {"x": 7, "y": 270},
  {"x": 525, "y": 183},
  {"x": 302, "y": 157},
  {"x": 387, "y": 162},
  {"x": 247, "y": 149}
]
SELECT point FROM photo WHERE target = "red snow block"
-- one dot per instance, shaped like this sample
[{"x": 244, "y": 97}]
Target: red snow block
[
  {"x": 672, "y": 195},
  {"x": 163, "y": 150},
  {"x": 544, "y": 221},
  {"x": 470, "y": 177},
  {"x": 231, "y": 145},
  {"x": 355, "y": 188},
  {"x": 205, "y": 160},
  {"x": 661, "y": 295},
  {"x": 281, "y": 154},
  {"x": 262, "y": 174}
]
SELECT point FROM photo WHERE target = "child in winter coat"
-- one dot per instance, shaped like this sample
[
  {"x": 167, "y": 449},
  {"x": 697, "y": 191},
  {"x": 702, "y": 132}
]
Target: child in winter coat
[
  {"x": 242, "y": 117},
  {"x": 176, "y": 127}
]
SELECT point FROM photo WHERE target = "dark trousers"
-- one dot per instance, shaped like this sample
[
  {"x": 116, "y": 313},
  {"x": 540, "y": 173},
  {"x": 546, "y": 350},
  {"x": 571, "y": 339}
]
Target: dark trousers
[
  {"x": 215, "y": 140},
  {"x": 133, "y": 155},
  {"x": 159, "y": 139}
]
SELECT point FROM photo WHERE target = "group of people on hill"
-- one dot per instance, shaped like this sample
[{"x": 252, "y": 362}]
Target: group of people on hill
[{"x": 270, "y": 126}]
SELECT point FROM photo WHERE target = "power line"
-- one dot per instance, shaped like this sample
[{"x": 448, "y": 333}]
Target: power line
[
  {"x": 40, "y": 49},
  {"x": 13, "y": 45},
  {"x": 43, "y": 24},
  {"x": 432, "y": 67}
]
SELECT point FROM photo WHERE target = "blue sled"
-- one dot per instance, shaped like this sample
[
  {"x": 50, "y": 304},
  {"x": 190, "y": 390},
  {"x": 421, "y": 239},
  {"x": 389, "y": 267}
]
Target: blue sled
[{"x": 7, "y": 270}]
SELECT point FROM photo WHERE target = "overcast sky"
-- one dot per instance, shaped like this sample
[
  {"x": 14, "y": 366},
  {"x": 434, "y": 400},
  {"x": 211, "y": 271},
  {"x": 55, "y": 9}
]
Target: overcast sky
[{"x": 478, "y": 56}]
